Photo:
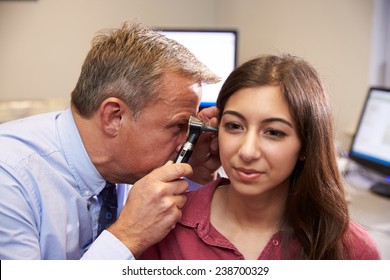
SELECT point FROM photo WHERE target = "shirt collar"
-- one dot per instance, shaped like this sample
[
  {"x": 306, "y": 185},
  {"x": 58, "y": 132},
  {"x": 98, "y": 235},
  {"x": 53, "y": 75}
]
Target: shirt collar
[
  {"x": 196, "y": 214},
  {"x": 87, "y": 176},
  {"x": 196, "y": 211}
]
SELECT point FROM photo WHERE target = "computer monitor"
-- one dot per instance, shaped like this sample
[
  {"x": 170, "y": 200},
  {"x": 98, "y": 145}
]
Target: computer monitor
[
  {"x": 216, "y": 48},
  {"x": 371, "y": 143}
]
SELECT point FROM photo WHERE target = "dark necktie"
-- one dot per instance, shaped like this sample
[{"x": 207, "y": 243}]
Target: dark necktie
[{"x": 108, "y": 211}]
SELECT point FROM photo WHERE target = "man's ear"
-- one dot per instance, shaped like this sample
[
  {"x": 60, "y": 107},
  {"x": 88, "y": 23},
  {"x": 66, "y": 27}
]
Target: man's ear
[{"x": 111, "y": 112}]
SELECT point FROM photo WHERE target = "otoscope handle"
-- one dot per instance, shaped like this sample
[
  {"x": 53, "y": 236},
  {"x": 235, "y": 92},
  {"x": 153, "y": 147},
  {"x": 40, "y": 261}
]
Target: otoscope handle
[
  {"x": 196, "y": 127},
  {"x": 185, "y": 152}
]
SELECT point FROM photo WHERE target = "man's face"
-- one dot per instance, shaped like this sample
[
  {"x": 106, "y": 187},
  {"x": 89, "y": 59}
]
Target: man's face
[{"x": 159, "y": 131}]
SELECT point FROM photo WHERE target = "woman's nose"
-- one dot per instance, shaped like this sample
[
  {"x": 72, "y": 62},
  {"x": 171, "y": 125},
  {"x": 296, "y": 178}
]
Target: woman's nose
[{"x": 250, "y": 149}]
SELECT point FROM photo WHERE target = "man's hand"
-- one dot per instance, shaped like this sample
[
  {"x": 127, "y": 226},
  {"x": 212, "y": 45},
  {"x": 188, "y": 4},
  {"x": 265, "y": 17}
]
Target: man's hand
[
  {"x": 153, "y": 207},
  {"x": 205, "y": 157}
]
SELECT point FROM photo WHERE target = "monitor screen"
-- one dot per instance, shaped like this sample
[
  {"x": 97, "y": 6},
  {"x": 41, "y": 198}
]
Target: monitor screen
[
  {"x": 371, "y": 143},
  {"x": 217, "y": 49}
]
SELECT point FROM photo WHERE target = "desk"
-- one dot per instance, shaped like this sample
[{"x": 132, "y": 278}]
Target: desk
[{"x": 373, "y": 213}]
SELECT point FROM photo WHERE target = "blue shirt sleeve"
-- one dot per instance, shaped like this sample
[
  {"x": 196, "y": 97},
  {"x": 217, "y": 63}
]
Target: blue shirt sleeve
[
  {"x": 107, "y": 247},
  {"x": 18, "y": 222}
]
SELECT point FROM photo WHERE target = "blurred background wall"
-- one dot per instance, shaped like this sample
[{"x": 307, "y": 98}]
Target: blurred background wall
[{"x": 43, "y": 43}]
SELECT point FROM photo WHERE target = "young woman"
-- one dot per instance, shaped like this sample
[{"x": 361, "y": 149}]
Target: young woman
[{"x": 284, "y": 198}]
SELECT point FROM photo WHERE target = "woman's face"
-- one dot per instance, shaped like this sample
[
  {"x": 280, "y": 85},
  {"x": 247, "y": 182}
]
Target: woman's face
[{"x": 258, "y": 141}]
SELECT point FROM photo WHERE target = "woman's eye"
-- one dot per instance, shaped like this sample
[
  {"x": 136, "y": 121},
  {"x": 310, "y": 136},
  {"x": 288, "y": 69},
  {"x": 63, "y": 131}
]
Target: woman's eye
[
  {"x": 275, "y": 133},
  {"x": 232, "y": 126}
]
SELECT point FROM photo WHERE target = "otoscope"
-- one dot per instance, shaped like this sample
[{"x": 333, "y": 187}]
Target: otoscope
[{"x": 196, "y": 127}]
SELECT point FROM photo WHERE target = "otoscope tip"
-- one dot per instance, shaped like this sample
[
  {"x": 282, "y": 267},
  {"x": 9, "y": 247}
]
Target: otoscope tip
[{"x": 207, "y": 128}]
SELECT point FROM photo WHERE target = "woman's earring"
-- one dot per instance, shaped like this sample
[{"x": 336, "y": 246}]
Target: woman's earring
[{"x": 302, "y": 158}]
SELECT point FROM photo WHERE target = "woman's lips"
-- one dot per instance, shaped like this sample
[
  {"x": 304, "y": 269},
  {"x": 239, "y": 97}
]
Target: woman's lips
[{"x": 248, "y": 175}]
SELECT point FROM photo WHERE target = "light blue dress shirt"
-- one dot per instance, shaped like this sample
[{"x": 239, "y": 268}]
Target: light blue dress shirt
[{"x": 48, "y": 188}]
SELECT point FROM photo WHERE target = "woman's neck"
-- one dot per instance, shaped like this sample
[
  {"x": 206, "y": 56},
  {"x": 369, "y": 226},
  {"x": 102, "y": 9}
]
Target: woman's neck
[
  {"x": 264, "y": 211},
  {"x": 248, "y": 222}
]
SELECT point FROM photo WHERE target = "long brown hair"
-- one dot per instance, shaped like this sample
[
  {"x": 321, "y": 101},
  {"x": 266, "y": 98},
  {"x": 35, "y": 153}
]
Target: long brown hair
[{"x": 316, "y": 207}]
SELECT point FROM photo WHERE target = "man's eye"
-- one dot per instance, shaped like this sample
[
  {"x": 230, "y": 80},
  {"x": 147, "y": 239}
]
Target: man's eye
[{"x": 181, "y": 126}]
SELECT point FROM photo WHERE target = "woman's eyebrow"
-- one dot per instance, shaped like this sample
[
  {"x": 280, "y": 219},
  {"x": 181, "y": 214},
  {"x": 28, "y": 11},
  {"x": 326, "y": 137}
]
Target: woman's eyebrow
[
  {"x": 278, "y": 120},
  {"x": 268, "y": 120},
  {"x": 234, "y": 113}
]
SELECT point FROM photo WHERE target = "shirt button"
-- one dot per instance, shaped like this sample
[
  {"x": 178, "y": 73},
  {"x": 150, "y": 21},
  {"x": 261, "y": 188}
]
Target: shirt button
[{"x": 275, "y": 242}]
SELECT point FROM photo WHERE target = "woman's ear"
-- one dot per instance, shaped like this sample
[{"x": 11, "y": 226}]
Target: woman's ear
[
  {"x": 111, "y": 112},
  {"x": 302, "y": 153}
]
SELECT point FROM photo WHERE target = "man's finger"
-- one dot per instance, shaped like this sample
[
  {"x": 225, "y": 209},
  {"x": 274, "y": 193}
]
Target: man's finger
[
  {"x": 172, "y": 171},
  {"x": 207, "y": 114}
]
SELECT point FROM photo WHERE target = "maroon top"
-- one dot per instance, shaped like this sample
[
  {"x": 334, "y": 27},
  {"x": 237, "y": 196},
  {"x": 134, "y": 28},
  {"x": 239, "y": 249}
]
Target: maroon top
[{"x": 195, "y": 238}]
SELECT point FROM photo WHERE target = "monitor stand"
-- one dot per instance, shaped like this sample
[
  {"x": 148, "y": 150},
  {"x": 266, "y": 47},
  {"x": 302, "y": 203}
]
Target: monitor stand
[{"x": 381, "y": 188}]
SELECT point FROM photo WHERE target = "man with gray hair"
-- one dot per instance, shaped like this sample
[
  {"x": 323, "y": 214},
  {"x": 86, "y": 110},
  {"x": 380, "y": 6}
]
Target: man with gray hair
[{"x": 127, "y": 120}]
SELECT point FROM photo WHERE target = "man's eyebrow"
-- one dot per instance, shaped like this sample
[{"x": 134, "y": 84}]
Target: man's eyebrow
[{"x": 268, "y": 120}]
